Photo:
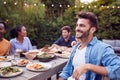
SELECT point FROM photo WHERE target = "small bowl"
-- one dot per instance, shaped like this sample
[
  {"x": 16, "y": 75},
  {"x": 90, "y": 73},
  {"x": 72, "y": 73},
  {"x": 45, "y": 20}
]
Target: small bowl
[{"x": 45, "y": 57}]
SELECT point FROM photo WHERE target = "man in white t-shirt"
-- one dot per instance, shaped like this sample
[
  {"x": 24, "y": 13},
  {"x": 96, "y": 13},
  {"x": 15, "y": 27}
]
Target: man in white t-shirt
[{"x": 90, "y": 58}]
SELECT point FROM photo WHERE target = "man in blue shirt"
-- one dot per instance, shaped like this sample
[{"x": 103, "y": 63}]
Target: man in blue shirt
[
  {"x": 66, "y": 38},
  {"x": 90, "y": 58}
]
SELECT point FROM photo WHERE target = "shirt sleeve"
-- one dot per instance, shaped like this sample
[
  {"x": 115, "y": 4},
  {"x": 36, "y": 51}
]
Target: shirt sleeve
[
  {"x": 12, "y": 47},
  {"x": 57, "y": 41},
  {"x": 112, "y": 63}
]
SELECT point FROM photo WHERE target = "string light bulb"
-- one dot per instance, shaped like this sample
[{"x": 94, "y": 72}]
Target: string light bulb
[
  {"x": 4, "y": 2},
  {"x": 15, "y": 3},
  {"x": 88, "y": 6},
  {"x": 75, "y": 6},
  {"x": 60, "y": 5},
  {"x": 82, "y": 6},
  {"x": 34, "y": 4},
  {"x": 52, "y": 5},
  {"x": 95, "y": 6},
  {"x": 43, "y": 5},
  {"x": 107, "y": 6},
  {"x": 102, "y": 6},
  {"x": 68, "y": 5}
]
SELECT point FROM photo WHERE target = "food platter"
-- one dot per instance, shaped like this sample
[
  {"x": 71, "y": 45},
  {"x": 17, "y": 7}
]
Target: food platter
[
  {"x": 22, "y": 62},
  {"x": 3, "y": 58},
  {"x": 39, "y": 66},
  {"x": 10, "y": 73}
]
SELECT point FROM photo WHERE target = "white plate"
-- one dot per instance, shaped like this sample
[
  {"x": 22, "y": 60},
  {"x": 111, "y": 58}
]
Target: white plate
[
  {"x": 46, "y": 66},
  {"x": 66, "y": 56},
  {"x": 6, "y": 59},
  {"x": 5, "y": 64},
  {"x": 22, "y": 65},
  {"x": 12, "y": 74}
]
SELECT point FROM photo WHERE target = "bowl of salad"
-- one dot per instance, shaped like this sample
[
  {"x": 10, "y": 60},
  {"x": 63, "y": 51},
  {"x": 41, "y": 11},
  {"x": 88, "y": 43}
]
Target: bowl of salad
[{"x": 45, "y": 57}]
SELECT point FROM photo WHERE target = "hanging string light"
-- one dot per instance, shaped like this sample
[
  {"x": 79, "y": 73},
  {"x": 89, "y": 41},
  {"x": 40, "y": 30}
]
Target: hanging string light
[
  {"x": 108, "y": 7},
  {"x": 60, "y": 5},
  {"x": 82, "y": 6},
  {"x": 102, "y": 6},
  {"x": 43, "y": 5},
  {"x": 34, "y": 4},
  {"x": 89, "y": 6},
  {"x": 94, "y": 6},
  {"x": 15, "y": 3},
  {"x": 75, "y": 6},
  {"x": 52, "y": 5},
  {"x": 4, "y": 2},
  {"x": 68, "y": 5}
]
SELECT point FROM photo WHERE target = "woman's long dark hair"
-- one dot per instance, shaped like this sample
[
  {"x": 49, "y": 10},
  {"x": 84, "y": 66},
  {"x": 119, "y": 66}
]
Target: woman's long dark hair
[{"x": 14, "y": 31}]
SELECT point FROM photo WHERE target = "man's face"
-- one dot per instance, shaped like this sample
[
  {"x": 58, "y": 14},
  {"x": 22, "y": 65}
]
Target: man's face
[
  {"x": 2, "y": 30},
  {"x": 82, "y": 28},
  {"x": 65, "y": 34}
]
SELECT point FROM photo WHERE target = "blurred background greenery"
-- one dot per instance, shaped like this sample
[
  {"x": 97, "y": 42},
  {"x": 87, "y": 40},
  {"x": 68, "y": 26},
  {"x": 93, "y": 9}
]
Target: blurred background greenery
[{"x": 44, "y": 18}]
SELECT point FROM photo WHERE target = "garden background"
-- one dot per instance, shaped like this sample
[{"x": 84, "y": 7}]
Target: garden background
[{"x": 44, "y": 18}]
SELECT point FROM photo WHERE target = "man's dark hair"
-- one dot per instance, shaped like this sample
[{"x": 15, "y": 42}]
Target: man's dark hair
[
  {"x": 66, "y": 28},
  {"x": 5, "y": 26},
  {"x": 90, "y": 16}
]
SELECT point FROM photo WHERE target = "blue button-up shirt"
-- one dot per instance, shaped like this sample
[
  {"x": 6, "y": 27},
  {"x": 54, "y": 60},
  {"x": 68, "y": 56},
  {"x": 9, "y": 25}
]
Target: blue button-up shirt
[
  {"x": 60, "y": 41},
  {"x": 97, "y": 53},
  {"x": 14, "y": 44}
]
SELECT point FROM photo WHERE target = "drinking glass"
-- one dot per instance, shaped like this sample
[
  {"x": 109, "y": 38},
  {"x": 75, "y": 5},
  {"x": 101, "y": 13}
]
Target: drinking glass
[
  {"x": 30, "y": 57},
  {"x": 17, "y": 54}
]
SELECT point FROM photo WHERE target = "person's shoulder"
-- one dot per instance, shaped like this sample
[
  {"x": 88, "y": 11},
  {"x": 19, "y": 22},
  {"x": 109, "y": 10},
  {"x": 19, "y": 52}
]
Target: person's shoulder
[
  {"x": 102, "y": 44},
  {"x": 12, "y": 40},
  {"x": 6, "y": 41},
  {"x": 26, "y": 37},
  {"x": 72, "y": 36}
]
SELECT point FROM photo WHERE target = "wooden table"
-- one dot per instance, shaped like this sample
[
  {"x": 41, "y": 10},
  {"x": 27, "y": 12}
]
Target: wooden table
[{"x": 57, "y": 65}]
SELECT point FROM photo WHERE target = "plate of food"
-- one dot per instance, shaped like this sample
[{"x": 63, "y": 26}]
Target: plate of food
[
  {"x": 5, "y": 58},
  {"x": 10, "y": 71},
  {"x": 45, "y": 57},
  {"x": 62, "y": 55},
  {"x": 39, "y": 66},
  {"x": 22, "y": 62}
]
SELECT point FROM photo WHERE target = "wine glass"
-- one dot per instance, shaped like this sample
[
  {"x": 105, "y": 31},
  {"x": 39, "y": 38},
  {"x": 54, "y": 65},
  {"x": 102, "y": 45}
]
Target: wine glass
[{"x": 30, "y": 57}]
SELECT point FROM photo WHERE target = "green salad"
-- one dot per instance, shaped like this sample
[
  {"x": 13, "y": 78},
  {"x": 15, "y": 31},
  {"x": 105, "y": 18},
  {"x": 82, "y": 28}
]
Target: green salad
[
  {"x": 7, "y": 70},
  {"x": 45, "y": 55}
]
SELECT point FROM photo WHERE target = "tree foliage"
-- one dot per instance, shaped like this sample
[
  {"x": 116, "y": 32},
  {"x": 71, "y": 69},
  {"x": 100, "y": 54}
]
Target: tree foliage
[{"x": 43, "y": 23}]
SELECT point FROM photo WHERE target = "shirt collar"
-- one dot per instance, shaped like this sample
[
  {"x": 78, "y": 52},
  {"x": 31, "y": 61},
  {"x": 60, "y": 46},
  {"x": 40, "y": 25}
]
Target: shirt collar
[
  {"x": 93, "y": 41},
  {"x": 68, "y": 38},
  {"x": 17, "y": 40}
]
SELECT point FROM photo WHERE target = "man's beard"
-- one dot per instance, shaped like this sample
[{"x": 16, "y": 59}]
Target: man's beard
[{"x": 84, "y": 34}]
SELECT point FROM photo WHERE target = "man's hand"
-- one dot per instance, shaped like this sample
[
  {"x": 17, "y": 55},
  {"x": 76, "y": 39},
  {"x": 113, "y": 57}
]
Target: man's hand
[{"x": 79, "y": 71}]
